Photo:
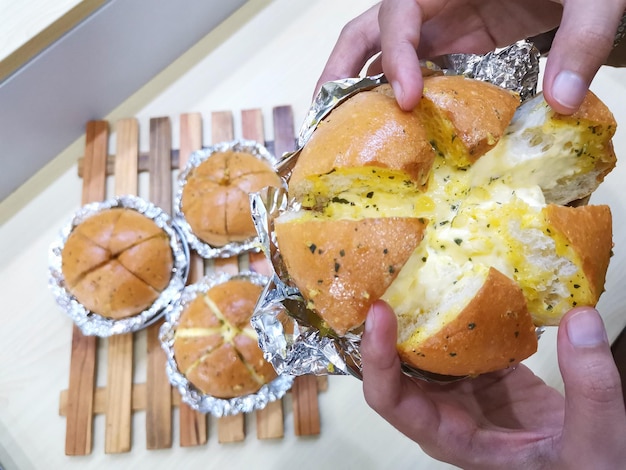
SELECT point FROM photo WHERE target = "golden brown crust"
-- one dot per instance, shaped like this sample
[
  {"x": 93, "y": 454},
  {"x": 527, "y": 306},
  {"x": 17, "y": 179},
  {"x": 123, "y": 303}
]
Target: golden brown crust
[
  {"x": 140, "y": 259},
  {"x": 383, "y": 135},
  {"x": 594, "y": 110},
  {"x": 474, "y": 114},
  {"x": 131, "y": 229},
  {"x": 215, "y": 197},
  {"x": 81, "y": 255},
  {"x": 215, "y": 346},
  {"x": 117, "y": 262},
  {"x": 114, "y": 292},
  {"x": 342, "y": 266},
  {"x": 594, "y": 115},
  {"x": 589, "y": 231},
  {"x": 494, "y": 331}
]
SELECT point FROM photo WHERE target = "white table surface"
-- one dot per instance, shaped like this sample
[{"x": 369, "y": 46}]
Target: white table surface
[{"x": 269, "y": 53}]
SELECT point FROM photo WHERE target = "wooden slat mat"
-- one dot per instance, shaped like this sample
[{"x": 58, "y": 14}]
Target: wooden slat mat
[{"x": 121, "y": 397}]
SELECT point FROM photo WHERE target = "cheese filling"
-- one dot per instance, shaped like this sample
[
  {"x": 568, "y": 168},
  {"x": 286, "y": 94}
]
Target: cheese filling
[{"x": 490, "y": 214}]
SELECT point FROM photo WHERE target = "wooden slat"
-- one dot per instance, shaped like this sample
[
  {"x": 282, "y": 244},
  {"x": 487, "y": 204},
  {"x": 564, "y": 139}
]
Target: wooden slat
[
  {"x": 193, "y": 425},
  {"x": 284, "y": 140},
  {"x": 269, "y": 420},
  {"x": 222, "y": 127},
  {"x": 229, "y": 428},
  {"x": 143, "y": 163},
  {"x": 138, "y": 401},
  {"x": 306, "y": 414},
  {"x": 79, "y": 425},
  {"x": 120, "y": 347},
  {"x": 159, "y": 399}
]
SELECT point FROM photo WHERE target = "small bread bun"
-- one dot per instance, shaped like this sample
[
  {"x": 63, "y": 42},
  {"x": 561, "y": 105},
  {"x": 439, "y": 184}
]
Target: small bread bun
[
  {"x": 215, "y": 346},
  {"x": 215, "y": 196},
  {"x": 465, "y": 232},
  {"x": 117, "y": 262}
]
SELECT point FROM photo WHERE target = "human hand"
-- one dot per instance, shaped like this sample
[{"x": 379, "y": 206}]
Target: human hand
[
  {"x": 406, "y": 30},
  {"x": 508, "y": 419}
]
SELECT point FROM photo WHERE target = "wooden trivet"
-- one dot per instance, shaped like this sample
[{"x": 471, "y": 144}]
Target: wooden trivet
[{"x": 121, "y": 397}]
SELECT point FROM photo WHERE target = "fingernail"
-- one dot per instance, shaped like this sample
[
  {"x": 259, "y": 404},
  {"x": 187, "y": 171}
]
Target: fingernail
[
  {"x": 370, "y": 320},
  {"x": 569, "y": 89},
  {"x": 585, "y": 329},
  {"x": 397, "y": 91}
]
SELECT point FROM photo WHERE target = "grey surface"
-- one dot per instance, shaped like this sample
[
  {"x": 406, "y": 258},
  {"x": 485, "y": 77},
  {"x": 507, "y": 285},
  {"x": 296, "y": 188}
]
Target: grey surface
[{"x": 89, "y": 71}]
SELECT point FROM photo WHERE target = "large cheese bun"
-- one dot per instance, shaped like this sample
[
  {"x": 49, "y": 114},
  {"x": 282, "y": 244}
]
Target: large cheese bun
[{"x": 472, "y": 245}]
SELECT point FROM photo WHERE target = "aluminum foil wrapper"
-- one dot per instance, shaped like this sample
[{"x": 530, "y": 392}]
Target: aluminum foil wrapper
[
  {"x": 196, "y": 158},
  {"x": 195, "y": 398},
  {"x": 293, "y": 337},
  {"x": 93, "y": 324},
  {"x": 515, "y": 67}
]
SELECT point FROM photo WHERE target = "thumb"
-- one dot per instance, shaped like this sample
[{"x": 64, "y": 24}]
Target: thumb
[
  {"x": 595, "y": 419},
  {"x": 382, "y": 376},
  {"x": 581, "y": 45}
]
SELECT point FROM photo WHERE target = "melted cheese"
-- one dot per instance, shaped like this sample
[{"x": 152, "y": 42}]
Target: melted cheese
[{"x": 488, "y": 215}]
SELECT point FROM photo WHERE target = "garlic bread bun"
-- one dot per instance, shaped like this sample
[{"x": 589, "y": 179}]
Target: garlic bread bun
[
  {"x": 486, "y": 247},
  {"x": 215, "y": 196},
  {"x": 117, "y": 262},
  {"x": 215, "y": 346}
]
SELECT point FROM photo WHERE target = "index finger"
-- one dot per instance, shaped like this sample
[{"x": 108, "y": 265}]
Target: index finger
[
  {"x": 358, "y": 41},
  {"x": 400, "y": 28},
  {"x": 581, "y": 45}
]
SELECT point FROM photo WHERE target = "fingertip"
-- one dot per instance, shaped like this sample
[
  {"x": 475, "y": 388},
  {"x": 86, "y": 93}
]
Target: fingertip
[
  {"x": 566, "y": 92},
  {"x": 408, "y": 94},
  {"x": 584, "y": 328},
  {"x": 378, "y": 345}
]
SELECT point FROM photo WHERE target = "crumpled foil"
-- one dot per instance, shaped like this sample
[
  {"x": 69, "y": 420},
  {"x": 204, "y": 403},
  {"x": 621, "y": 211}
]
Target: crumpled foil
[
  {"x": 196, "y": 158},
  {"x": 91, "y": 323},
  {"x": 515, "y": 67},
  {"x": 293, "y": 337},
  {"x": 196, "y": 399}
]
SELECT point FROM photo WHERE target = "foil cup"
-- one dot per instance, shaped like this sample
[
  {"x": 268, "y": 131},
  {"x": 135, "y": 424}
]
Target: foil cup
[
  {"x": 203, "y": 248},
  {"x": 293, "y": 337},
  {"x": 92, "y": 323},
  {"x": 190, "y": 394}
]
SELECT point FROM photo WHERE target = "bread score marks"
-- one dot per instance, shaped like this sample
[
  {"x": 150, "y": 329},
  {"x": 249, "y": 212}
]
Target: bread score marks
[
  {"x": 117, "y": 262},
  {"x": 215, "y": 346}
]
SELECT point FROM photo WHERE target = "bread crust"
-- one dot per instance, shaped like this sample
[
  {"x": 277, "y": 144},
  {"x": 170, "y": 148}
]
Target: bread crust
[
  {"x": 215, "y": 346},
  {"x": 215, "y": 196},
  {"x": 494, "y": 331},
  {"x": 476, "y": 114},
  {"x": 117, "y": 262},
  {"x": 368, "y": 129},
  {"x": 342, "y": 266},
  {"x": 588, "y": 230}
]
